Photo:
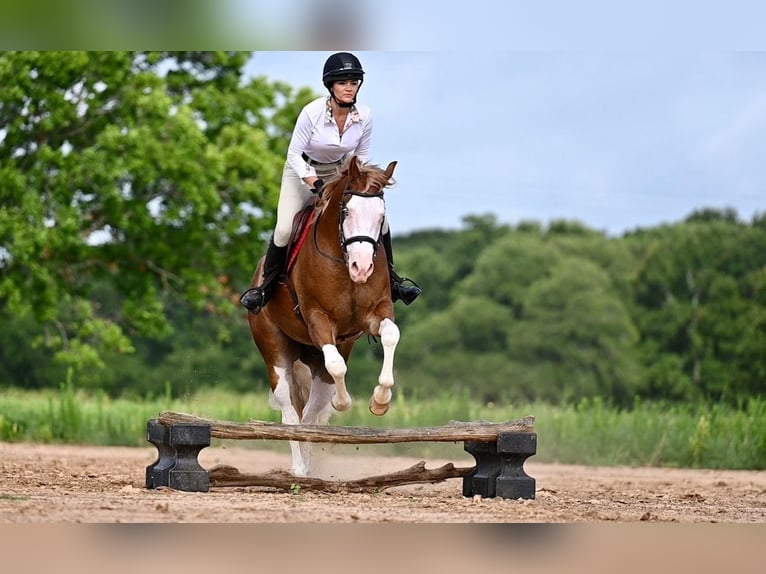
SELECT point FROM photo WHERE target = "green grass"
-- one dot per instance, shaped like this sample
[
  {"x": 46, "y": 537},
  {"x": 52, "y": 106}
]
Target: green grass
[
  {"x": 653, "y": 434},
  {"x": 589, "y": 433},
  {"x": 76, "y": 417}
]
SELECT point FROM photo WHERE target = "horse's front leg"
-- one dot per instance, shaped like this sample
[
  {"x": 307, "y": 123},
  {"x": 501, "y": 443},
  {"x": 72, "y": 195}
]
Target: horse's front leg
[
  {"x": 336, "y": 366},
  {"x": 322, "y": 333},
  {"x": 381, "y": 396}
]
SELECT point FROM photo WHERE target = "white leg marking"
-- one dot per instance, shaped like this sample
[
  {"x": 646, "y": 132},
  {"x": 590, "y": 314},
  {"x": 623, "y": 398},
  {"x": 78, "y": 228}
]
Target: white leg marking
[
  {"x": 381, "y": 396},
  {"x": 317, "y": 411},
  {"x": 281, "y": 396},
  {"x": 336, "y": 366}
]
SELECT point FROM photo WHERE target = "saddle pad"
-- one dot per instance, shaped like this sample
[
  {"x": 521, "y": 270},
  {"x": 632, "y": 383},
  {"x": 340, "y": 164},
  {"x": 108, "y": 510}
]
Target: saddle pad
[{"x": 301, "y": 226}]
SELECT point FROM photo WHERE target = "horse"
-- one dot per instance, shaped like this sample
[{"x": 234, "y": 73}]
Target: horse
[{"x": 335, "y": 290}]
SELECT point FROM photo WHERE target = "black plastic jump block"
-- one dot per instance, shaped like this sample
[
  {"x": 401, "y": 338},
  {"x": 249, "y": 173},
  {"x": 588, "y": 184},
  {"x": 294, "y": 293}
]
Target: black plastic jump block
[
  {"x": 500, "y": 467},
  {"x": 179, "y": 446}
]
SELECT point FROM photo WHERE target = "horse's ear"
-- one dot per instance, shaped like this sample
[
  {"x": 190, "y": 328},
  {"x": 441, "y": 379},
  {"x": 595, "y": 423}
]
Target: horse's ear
[
  {"x": 353, "y": 167},
  {"x": 390, "y": 169}
]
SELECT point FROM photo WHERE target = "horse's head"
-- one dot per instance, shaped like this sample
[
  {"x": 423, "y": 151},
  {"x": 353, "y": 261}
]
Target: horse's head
[{"x": 358, "y": 191}]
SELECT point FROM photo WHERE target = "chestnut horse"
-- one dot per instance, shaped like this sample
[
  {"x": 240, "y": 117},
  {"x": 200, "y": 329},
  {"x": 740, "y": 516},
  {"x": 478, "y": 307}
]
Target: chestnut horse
[{"x": 337, "y": 290}]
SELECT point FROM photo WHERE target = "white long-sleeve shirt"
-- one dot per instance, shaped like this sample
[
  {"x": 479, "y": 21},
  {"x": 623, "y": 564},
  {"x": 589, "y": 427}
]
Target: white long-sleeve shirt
[{"x": 316, "y": 134}]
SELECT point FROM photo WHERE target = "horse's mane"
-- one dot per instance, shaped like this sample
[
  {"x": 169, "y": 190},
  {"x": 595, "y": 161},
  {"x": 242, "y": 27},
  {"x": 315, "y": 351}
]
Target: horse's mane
[{"x": 374, "y": 180}]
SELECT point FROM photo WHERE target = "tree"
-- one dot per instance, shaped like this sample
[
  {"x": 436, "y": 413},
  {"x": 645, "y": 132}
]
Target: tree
[
  {"x": 529, "y": 322},
  {"x": 505, "y": 269},
  {"x": 699, "y": 296},
  {"x": 155, "y": 172},
  {"x": 577, "y": 333},
  {"x": 709, "y": 214}
]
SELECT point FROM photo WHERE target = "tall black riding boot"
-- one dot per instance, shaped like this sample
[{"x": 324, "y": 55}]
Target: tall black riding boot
[
  {"x": 255, "y": 299},
  {"x": 407, "y": 293}
]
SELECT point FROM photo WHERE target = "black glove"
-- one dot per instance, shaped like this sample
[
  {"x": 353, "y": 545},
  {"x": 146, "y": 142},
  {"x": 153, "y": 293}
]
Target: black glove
[{"x": 318, "y": 185}]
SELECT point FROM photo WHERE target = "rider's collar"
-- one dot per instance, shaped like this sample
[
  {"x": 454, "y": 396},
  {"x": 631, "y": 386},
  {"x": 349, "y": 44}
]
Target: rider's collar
[{"x": 353, "y": 112}]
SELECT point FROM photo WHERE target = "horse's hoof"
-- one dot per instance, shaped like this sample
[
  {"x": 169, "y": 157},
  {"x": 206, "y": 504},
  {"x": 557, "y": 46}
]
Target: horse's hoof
[
  {"x": 377, "y": 409},
  {"x": 340, "y": 407}
]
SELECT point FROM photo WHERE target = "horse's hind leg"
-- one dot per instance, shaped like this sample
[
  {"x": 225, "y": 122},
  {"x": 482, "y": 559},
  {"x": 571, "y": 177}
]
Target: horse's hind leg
[
  {"x": 303, "y": 388},
  {"x": 312, "y": 377},
  {"x": 281, "y": 382},
  {"x": 381, "y": 396},
  {"x": 319, "y": 406}
]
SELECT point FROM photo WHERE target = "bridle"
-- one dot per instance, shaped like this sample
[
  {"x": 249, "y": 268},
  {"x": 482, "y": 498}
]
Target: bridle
[{"x": 346, "y": 241}]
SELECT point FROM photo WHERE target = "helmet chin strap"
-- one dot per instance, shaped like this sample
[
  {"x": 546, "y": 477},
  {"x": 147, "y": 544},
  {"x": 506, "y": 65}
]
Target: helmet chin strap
[{"x": 342, "y": 104}]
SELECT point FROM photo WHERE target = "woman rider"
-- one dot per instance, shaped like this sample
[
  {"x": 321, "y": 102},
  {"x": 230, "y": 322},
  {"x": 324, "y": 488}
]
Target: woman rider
[{"x": 328, "y": 130}]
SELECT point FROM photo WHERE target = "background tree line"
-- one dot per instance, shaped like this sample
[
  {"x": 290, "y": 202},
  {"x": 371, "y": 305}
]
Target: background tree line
[{"x": 136, "y": 193}]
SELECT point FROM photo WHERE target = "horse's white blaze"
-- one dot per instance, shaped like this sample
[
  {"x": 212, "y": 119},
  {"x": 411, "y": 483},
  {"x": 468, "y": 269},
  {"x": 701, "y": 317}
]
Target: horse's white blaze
[
  {"x": 381, "y": 396},
  {"x": 336, "y": 366},
  {"x": 364, "y": 219},
  {"x": 281, "y": 396}
]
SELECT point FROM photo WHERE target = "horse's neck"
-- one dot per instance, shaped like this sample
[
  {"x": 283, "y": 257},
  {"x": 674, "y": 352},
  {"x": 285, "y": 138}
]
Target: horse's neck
[{"x": 328, "y": 229}]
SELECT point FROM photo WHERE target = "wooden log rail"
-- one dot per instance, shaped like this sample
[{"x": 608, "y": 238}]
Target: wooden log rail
[
  {"x": 499, "y": 449},
  {"x": 223, "y": 475},
  {"x": 453, "y": 432}
]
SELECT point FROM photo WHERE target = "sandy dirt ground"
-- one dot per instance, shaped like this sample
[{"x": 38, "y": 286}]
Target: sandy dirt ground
[{"x": 59, "y": 483}]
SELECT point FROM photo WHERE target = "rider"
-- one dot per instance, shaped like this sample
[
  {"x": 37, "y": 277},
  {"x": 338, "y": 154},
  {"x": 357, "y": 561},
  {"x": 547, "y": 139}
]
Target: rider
[{"x": 328, "y": 130}]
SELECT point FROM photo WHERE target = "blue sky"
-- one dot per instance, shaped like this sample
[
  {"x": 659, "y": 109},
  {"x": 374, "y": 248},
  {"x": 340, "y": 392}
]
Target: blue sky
[
  {"x": 617, "y": 140},
  {"x": 618, "y": 118}
]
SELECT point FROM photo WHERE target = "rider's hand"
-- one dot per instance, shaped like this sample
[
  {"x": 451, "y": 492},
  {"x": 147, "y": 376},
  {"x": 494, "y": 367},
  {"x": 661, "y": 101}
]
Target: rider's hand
[{"x": 318, "y": 185}]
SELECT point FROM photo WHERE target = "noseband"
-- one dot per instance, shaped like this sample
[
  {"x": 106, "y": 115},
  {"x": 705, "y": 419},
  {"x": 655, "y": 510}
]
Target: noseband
[{"x": 344, "y": 241}]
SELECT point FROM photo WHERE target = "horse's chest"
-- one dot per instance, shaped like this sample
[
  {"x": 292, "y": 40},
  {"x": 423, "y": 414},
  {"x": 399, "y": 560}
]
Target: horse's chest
[{"x": 352, "y": 317}]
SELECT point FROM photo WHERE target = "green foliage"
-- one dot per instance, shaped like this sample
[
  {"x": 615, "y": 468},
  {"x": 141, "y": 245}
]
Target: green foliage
[
  {"x": 154, "y": 173},
  {"x": 136, "y": 191},
  {"x": 508, "y": 267},
  {"x": 699, "y": 305},
  {"x": 532, "y": 320}
]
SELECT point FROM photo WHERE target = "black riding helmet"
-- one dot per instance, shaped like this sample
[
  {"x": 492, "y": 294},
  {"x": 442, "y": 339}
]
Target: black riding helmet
[{"x": 342, "y": 66}]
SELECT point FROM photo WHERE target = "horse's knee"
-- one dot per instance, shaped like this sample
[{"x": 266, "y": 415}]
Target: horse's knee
[
  {"x": 337, "y": 367},
  {"x": 334, "y": 362},
  {"x": 389, "y": 333}
]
